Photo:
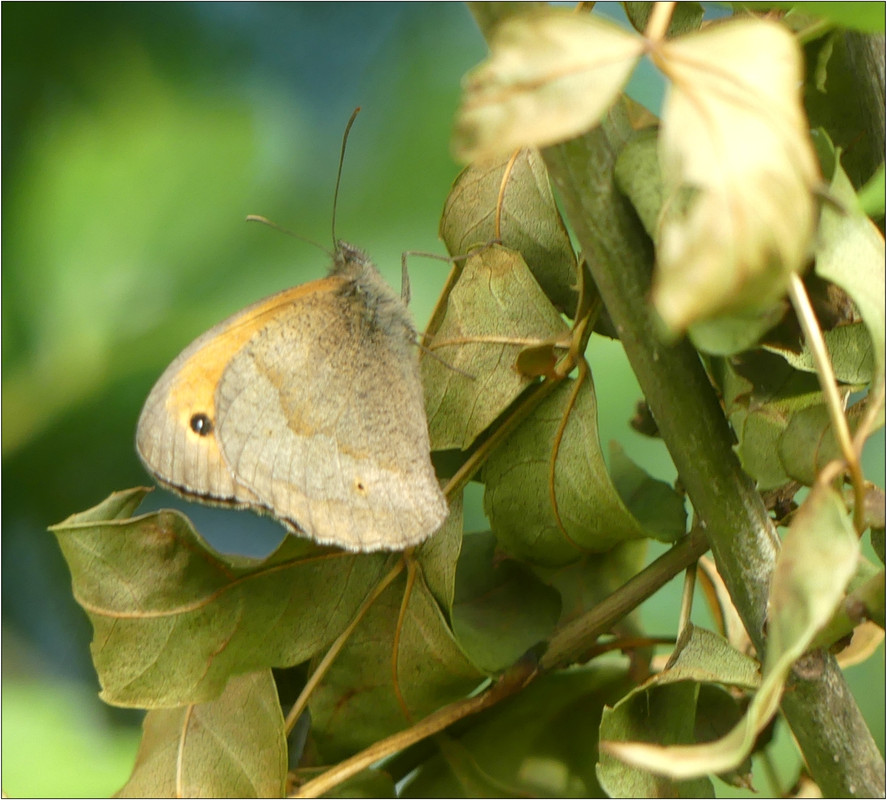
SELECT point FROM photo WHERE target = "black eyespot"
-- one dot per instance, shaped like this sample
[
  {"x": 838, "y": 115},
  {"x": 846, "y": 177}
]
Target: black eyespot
[{"x": 201, "y": 424}]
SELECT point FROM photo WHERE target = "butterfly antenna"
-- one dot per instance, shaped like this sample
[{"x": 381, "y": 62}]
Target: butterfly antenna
[
  {"x": 339, "y": 173},
  {"x": 270, "y": 224}
]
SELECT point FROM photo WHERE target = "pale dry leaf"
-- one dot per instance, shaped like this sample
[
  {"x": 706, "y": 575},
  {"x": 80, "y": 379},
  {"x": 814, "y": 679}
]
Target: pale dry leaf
[
  {"x": 551, "y": 75},
  {"x": 738, "y": 167}
]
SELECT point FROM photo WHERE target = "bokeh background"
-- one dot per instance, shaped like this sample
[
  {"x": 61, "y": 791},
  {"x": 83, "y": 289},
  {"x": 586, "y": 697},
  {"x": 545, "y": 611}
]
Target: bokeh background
[{"x": 136, "y": 138}]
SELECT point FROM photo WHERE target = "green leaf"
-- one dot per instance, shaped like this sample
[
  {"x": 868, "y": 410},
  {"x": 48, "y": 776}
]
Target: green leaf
[
  {"x": 550, "y": 76},
  {"x": 807, "y": 444},
  {"x": 762, "y": 394},
  {"x": 702, "y": 662},
  {"x": 664, "y": 714},
  {"x": 368, "y": 783},
  {"x": 538, "y": 743},
  {"x": 495, "y": 309},
  {"x": 718, "y": 710},
  {"x": 529, "y": 222},
  {"x": 850, "y": 253},
  {"x": 233, "y": 746},
  {"x": 501, "y": 608},
  {"x": 850, "y": 350},
  {"x": 862, "y": 16},
  {"x": 871, "y": 196},
  {"x": 439, "y": 555},
  {"x": 817, "y": 560},
  {"x": 173, "y": 620},
  {"x": 654, "y": 504},
  {"x": 357, "y": 702},
  {"x": 703, "y": 656},
  {"x": 589, "y": 515},
  {"x": 586, "y": 582},
  {"x": 734, "y": 333},
  {"x": 738, "y": 168}
]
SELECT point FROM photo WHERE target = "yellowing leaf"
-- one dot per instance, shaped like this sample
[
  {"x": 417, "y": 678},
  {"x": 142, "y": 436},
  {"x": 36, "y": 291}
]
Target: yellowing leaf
[
  {"x": 550, "y": 76},
  {"x": 817, "y": 560},
  {"x": 738, "y": 168}
]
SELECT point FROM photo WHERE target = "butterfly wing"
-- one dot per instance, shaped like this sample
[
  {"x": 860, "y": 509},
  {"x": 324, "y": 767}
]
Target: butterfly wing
[
  {"x": 176, "y": 434},
  {"x": 321, "y": 418}
]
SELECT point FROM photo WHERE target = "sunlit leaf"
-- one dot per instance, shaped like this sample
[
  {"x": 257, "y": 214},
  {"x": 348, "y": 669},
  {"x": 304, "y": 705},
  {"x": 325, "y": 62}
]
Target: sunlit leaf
[
  {"x": 817, "y": 559},
  {"x": 173, "y": 619},
  {"x": 738, "y": 169},
  {"x": 550, "y": 76},
  {"x": 233, "y": 746},
  {"x": 639, "y": 177}
]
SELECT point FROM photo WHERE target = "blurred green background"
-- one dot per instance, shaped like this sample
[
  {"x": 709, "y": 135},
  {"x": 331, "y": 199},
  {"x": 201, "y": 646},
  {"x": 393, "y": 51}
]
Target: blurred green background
[{"x": 136, "y": 138}]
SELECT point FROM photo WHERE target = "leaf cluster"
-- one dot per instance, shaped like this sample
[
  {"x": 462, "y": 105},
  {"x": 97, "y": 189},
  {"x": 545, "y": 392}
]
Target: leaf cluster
[{"x": 465, "y": 637}]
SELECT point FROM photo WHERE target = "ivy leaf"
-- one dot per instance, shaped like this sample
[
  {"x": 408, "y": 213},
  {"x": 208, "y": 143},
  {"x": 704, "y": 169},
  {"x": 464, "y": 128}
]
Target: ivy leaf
[
  {"x": 550, "y": 76},
  {"x": 583, "y": 512},
  {"x": 495, "y": 309},
  {"x": 529, "y": 223},
  {"x": 233, "y": 746},
  {"x": 817, "y": 560},
  {"x": 738, "y": 168},
  {"x": 173, "y": 619}
]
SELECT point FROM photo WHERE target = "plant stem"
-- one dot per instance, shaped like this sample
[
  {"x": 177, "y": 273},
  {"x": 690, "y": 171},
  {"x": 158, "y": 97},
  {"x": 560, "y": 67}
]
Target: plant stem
[{"x": 573, "y": 640}]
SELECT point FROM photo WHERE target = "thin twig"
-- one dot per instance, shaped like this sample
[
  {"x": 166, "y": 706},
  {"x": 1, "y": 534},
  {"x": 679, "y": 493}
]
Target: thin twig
[
  {"x": 512, "y": 681},
  {"x": 327, "y": 661},
  {"x": 829, "y": 385}
]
